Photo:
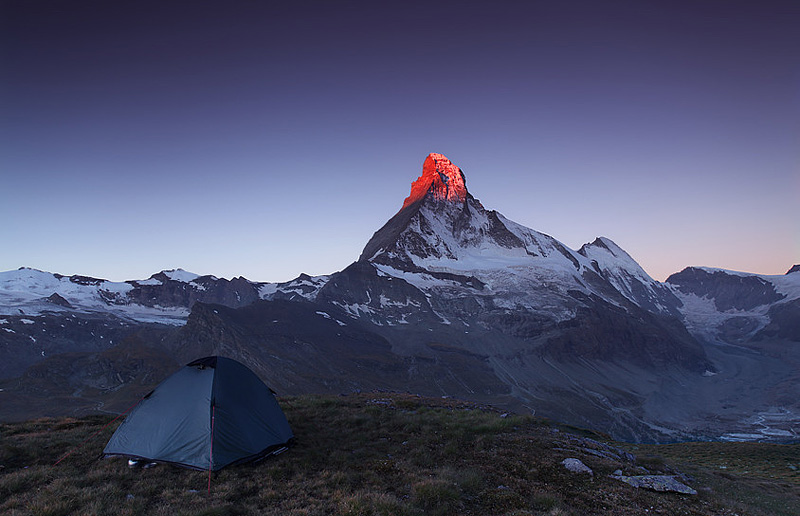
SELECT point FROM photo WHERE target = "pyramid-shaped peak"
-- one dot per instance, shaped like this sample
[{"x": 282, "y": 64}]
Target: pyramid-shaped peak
[{"x": 441, "y": 179}]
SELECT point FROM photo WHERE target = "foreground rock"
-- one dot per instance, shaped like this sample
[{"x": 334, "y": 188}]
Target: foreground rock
[
  {"x": 661, "y": 483},
  {"x": 577, "y": 466}
]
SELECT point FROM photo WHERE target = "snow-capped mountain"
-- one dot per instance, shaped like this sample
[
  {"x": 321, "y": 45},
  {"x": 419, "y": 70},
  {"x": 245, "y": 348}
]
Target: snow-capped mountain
[
  {"x": 165, "y": 297},
  {"x": 32, "y": 292},
  {"x": 447, "y": 298},
  {"x": 443, "y": 233},
  {"x": 729, "y": 307},
  {"x": 42, "y": 313},
  {"x": 627, "y": 276},
  {"x": 444, "y": 258}
]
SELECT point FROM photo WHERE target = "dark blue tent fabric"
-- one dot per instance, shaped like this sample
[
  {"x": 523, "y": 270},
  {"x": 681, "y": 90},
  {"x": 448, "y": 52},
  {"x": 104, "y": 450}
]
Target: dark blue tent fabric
[{"x": 174, "y": 422}]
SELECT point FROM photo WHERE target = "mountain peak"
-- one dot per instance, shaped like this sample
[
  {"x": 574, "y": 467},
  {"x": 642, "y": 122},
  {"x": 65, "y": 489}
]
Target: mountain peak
[{"x": 441, "y": 179}]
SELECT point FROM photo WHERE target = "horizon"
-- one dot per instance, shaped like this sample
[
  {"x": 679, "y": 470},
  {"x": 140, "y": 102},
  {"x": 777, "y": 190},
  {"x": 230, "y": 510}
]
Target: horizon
[
  {"x": 237, "y": 139},
  {"x": 174, "y": 269}
]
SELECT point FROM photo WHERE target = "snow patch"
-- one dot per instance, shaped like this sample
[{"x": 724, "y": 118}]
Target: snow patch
[
  {"x": 181, "y": 275},
  {"x": 356, "y": 309},
  {"x": 386, "y": 302},
  {"x": 307, "y": 288},
  {"x": 703, "y": 317},
  {"x": 150, "y": 281},
  {"x": 266, "y": 290}
]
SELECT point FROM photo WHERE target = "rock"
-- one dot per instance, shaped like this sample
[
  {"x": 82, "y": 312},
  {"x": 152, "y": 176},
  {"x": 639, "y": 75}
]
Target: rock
[
  {"x": 441, "y": 179},
  {"x": 661, "y": 483},
  {"x": 576, "y": 466},
  {"x": 598, "y": 449},
  {"x": 58, "y": 300}
]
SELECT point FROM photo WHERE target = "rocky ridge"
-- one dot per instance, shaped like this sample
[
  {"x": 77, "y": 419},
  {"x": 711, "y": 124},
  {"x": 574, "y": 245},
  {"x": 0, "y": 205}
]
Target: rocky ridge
[{"x": 441, "y": 179}]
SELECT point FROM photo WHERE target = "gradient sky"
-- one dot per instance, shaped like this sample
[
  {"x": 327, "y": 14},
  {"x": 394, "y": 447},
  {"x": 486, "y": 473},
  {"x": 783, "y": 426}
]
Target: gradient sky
[{"x": 266, "y": 139}]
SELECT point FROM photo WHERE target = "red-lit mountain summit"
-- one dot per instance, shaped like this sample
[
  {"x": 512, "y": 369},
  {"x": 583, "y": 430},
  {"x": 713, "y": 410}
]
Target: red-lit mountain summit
[{"x": 441, "y": 178}]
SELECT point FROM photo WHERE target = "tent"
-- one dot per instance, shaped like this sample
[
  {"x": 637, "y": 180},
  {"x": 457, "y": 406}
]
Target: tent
[{"x": 212, "y": 413}]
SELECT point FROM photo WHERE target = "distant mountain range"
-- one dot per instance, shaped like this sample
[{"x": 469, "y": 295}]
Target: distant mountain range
[{"x": 447, "y": 298}]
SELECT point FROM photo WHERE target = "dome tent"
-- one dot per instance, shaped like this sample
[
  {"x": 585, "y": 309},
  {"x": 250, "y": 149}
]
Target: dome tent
[{"x": 212, "y": 413}]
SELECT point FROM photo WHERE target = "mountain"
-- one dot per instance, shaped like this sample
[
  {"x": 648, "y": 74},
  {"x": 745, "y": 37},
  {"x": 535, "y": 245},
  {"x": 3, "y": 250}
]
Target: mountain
[
  {"x": 43, "y": 314},
  {"x": 731, "y": 307},
  {"x": 164, "y": 297},
  {"x": 444, "y": 259},
  {"x": 449, "y": 298}
]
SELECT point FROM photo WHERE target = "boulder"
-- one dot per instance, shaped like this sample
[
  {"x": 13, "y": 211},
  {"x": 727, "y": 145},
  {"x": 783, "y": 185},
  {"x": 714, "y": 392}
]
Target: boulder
[
  {"x": 661, "y": 483},
  {"x": 576, "y": 466}
]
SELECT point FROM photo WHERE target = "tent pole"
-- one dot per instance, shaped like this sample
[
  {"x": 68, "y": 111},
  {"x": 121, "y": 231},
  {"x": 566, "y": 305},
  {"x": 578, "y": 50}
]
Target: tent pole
[{"x": 211, "y": 451}]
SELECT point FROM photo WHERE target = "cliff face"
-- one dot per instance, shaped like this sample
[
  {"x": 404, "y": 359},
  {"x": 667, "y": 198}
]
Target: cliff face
[
  {"x": 728, "y": 291},
  {"x": 440, "y": 179},
  {"x": 309, "y": 347},
  {"x": 164, "y": 291}
]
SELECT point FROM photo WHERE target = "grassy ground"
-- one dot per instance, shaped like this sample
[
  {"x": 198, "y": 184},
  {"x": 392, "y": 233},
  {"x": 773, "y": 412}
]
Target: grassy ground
[{"x": 395, "y": 454}]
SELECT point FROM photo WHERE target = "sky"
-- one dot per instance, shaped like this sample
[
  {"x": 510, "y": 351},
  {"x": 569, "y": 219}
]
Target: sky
[{"x": 268, "y": 139}]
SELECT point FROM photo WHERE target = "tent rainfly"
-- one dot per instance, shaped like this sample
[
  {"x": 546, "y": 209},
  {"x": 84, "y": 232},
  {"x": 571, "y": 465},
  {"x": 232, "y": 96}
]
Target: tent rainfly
[{"x": 212, "y": 413}]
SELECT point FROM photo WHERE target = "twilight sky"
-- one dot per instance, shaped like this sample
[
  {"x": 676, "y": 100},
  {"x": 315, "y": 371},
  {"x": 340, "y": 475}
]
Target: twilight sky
[{"x": 265, "y": 139}]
